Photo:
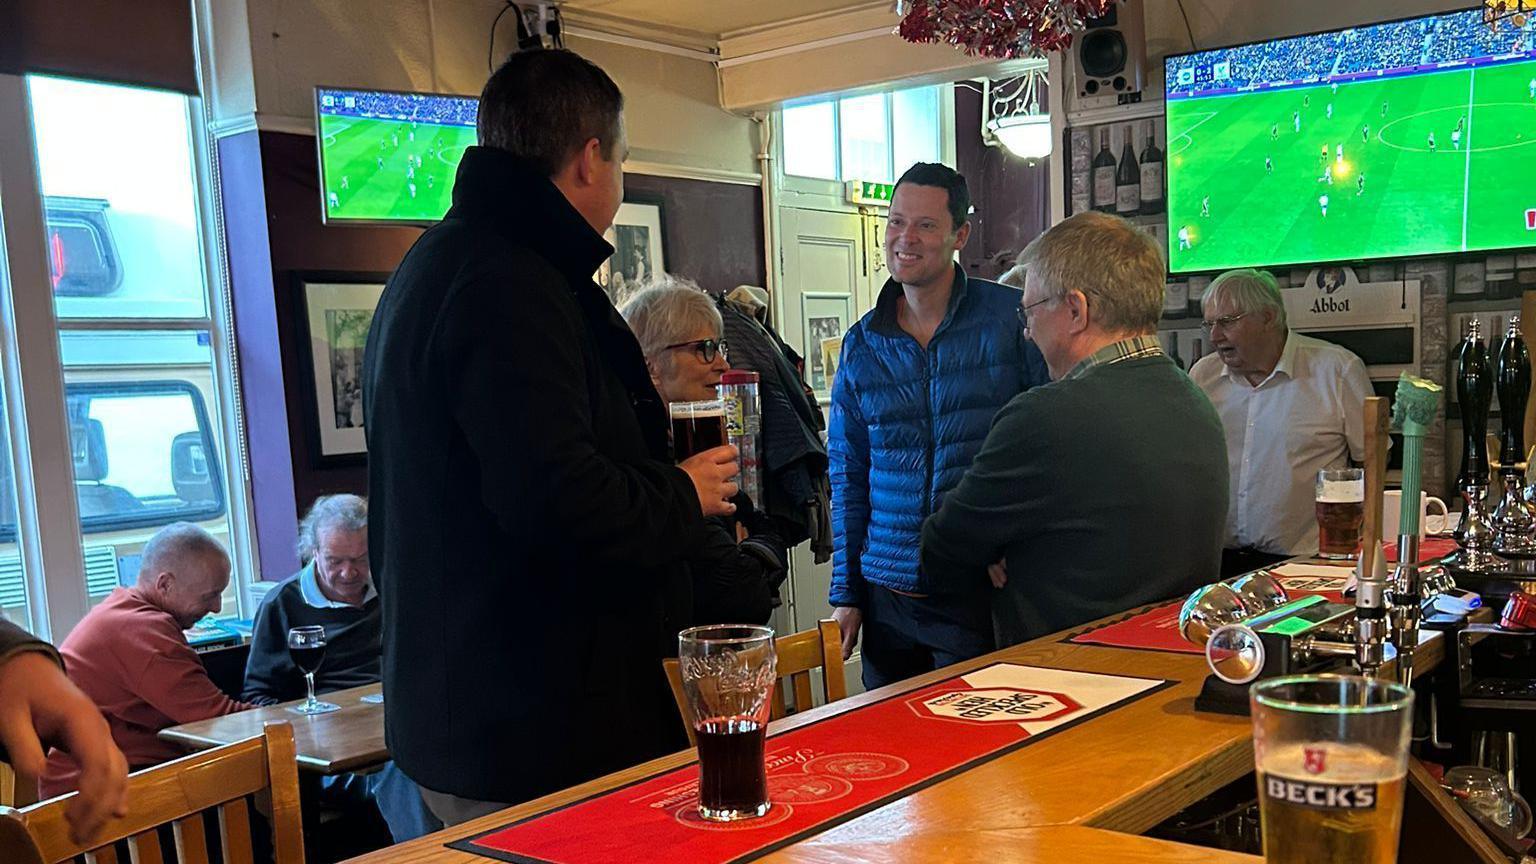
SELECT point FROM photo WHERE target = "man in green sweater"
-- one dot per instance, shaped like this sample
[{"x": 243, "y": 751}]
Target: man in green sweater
[{"x": 1107, "y": 488}]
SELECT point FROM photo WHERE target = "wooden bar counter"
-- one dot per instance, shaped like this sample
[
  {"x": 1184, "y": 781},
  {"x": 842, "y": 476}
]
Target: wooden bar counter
[{"x": 1081, "y": 794}]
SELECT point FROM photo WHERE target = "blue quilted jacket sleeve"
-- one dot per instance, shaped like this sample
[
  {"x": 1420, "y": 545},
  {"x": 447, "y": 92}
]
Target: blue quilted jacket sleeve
[{"x": 848, "y": 454}]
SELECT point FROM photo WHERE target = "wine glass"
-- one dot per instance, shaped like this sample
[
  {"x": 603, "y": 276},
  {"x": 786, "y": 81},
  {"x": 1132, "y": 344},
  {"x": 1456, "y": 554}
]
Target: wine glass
[{"x": 306, "y": 646}]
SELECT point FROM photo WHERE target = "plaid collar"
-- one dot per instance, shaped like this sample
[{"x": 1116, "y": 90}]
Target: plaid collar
[{"x": 1125, "y": 349}]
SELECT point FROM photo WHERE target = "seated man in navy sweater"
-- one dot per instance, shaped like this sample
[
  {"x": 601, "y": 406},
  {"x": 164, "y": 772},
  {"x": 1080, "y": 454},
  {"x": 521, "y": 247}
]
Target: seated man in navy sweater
[{"x": 333, "y": 590}]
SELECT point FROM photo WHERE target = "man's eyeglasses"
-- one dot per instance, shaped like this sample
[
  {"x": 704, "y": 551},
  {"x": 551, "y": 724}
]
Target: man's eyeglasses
[
  {"x": 1225, "y": 322},
  {"x": 1023, "y": 311},
  {"x": 705, "y": 348}
]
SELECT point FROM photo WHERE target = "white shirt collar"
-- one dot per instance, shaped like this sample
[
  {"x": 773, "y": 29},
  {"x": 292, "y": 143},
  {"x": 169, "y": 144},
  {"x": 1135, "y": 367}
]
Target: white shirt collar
[{"x": 309, "y": 590}]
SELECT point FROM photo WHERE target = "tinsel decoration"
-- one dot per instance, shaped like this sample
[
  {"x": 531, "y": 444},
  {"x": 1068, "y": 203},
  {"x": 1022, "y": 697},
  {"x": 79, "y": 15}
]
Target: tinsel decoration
[{"x": 1001, "y": 29}]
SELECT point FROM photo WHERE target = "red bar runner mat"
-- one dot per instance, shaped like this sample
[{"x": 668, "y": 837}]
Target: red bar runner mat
[
  {"x": 1157, "y": 629},
  {"x": 822, "y": 774}
]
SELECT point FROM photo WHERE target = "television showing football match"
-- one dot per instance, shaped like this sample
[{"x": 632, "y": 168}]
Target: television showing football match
[
  {"x": 390, "y": 157},
  {"x": 1412, "y": 137}
]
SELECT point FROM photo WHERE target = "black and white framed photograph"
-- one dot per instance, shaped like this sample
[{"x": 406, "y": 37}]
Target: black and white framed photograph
[
  {"x": 639, "y": 245},
  {"x": 337, "y": 310},
  {"x": 826, "y": 317}
]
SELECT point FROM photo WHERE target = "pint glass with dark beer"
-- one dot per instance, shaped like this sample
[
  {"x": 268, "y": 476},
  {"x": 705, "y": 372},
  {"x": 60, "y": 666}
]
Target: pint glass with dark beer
[
  {"x": 696, "y": 427},
  {"x": 1340, "y": 512},
  {"x": 1332, "y": 759},
  {"x": 728, "y": 673}
]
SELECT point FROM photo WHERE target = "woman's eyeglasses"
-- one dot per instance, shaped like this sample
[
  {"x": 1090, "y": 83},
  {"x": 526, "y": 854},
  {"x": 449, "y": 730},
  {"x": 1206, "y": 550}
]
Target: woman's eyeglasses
[{"x": 705, "y": 348}]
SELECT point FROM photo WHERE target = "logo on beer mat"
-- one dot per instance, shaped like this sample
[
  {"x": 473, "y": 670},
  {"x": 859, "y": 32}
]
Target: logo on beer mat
[
  {"x": 688, "y": 815},
  {"x": 1316, "y": 757},
  {"x": 792, "y": 788},
  {"x": 857, "y": 766},
  {"x": 1321, "y": 796},
  {"x": 996, "y": 705},
  {"x": 1314, "y": 584}
]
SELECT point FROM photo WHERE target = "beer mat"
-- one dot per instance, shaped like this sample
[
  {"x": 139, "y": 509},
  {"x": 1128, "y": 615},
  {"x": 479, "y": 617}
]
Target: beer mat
[
  {"x": 821, "y": 774},
  {"x": 1157, "y": 629}
]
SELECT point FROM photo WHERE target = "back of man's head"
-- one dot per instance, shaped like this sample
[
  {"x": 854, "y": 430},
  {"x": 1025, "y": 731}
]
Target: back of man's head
[
  {"x": 1119, "y": 268},
  {"x": 544, "y": 105},
  {"x": 948, "y": 179}
]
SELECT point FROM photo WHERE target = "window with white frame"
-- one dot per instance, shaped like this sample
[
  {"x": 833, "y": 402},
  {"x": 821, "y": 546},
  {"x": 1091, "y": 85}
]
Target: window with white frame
[
  {"x": 874, "y": 137},
  {"x": 139, "y": 379}
]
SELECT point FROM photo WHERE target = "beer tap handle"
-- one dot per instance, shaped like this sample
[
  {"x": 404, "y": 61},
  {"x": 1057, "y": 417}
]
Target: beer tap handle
[
  {"x": 1417, "y": 403},
  {"x": 1513, "y": 383},
  {"x": 1474, "y": 392},
  {"x": 1377, "y": 416}
]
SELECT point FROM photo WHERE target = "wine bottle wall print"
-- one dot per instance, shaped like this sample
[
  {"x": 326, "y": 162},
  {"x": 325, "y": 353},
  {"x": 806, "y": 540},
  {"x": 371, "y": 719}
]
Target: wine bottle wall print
[{"x": 1118, "y": 167}]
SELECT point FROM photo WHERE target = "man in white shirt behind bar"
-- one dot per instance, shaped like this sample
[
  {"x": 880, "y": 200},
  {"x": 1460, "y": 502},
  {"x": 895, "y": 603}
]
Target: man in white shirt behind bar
[{"x": 1290, "y": 406}]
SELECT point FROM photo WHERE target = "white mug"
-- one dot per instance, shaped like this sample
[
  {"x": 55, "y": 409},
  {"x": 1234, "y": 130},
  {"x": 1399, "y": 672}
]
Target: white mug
[{"x": 1392, "y": 511}]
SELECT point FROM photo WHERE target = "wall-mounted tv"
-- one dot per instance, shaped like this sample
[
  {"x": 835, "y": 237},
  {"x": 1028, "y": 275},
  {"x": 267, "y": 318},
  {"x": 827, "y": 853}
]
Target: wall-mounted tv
[
  {"x": 1413, "y": 137},
  {"x": 388, "y": 156}
]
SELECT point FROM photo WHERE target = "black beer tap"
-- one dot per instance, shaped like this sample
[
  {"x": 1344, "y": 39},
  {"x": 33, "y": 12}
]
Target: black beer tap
[
  {"x": 1513, "y": 380},
  {"x": 1474, "y": 390},
  {"x": 1514, "y": 522}
]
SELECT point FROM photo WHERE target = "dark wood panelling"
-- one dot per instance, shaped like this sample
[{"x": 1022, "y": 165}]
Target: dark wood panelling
[
  {"x": 1011, "y": 196},
  {"x": 714, "y": 230}
]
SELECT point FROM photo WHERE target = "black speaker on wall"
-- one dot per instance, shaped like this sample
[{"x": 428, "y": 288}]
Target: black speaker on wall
[{"x": 1110, "y": 57}]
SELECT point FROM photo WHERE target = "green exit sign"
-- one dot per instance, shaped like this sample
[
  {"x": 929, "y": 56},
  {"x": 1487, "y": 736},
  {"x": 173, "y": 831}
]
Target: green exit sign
[{"x": 869, "y": 192}]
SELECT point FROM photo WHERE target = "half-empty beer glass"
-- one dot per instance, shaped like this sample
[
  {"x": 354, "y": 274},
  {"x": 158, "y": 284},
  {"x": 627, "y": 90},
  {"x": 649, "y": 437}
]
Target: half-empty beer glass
[
  {"x": 696, "y": 427},
  {"x": 1340, "y": 511},
  {"x": 1332, "y": 758},
  {"x": 728, "y": 676}
]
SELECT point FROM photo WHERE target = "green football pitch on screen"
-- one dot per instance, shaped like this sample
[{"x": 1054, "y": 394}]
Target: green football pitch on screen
[
  {"x": 1373, "y": 169},
  {"x": 395, "y": 170}
]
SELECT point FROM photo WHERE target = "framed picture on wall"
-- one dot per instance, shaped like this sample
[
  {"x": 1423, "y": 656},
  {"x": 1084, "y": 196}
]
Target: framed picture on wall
[
  {"x": 826, "y": 318},
  {"x": 336, "y": 310},
  {"x": 639, "y": 244}
]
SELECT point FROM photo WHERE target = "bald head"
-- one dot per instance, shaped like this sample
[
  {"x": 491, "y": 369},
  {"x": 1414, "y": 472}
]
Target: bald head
[{"x": 184, "y": 571}]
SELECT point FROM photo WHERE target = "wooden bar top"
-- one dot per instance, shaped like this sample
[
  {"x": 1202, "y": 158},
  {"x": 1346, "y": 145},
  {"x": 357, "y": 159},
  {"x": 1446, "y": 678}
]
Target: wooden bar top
[
  {"x": 1081, "y": 794},
  {"x": 334, "y": 743}
]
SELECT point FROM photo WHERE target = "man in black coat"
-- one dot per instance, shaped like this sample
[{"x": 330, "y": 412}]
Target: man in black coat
[{"x": 528, "y": 526}]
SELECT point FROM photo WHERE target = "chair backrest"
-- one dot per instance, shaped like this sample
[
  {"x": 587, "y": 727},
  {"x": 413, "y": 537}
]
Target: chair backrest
[
  {"x": 798, "y": 655},
  {"x": 177, "y": 793}
]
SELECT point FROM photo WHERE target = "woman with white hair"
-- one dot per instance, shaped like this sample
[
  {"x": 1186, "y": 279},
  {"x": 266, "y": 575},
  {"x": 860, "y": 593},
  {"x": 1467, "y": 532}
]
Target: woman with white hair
[{"x": 681, "y": 335}]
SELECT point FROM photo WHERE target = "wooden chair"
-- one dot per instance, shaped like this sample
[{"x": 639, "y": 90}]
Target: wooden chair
[
  {"x": 177, "y": 793},
  {"x": 798, "y": 654}
]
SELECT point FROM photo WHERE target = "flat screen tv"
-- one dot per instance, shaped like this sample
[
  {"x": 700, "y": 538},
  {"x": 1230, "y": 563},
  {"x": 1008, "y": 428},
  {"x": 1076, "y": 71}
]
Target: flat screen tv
[
  {"x": 387, "y": 156},
  {"x": 1413, "y": 137}
]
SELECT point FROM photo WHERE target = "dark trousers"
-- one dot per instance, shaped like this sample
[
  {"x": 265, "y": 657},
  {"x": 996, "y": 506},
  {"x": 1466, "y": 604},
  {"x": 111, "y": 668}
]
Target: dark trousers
[
  {"x": 1235, "y": 562},
  {"x": 905, "y": 636}
]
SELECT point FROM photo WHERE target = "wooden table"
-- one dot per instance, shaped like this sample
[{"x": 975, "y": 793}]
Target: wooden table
[{"x": 334, "y": 743}]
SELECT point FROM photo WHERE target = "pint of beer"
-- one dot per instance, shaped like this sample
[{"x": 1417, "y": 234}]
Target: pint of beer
[
  {"x": 1340, "y": 512},
  {"x": 728, "y": 673},
  {"x": 1332, "y": 759},
  {"x": 696, "y": 427}
]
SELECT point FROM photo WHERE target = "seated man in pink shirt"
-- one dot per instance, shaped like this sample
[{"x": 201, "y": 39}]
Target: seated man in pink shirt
[{"x": 130, "y": 657}]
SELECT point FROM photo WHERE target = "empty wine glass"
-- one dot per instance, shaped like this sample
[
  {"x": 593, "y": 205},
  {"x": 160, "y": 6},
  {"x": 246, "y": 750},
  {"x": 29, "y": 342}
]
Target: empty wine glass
[{"x": 306, "y": 647}]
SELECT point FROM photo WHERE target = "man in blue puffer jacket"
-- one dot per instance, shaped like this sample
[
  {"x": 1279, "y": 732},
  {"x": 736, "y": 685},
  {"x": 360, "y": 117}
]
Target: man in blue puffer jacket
[{"x": 920, "y": 379}]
